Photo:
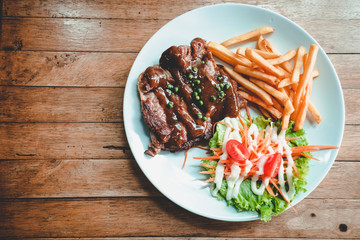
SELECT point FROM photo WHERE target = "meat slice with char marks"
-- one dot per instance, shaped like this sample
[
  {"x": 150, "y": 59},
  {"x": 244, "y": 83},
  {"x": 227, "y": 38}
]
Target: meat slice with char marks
[{"x": 184, "y": 96}]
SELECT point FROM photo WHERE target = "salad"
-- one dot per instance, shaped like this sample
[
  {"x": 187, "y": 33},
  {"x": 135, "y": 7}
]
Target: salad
[{"x": 255, "y": 166}]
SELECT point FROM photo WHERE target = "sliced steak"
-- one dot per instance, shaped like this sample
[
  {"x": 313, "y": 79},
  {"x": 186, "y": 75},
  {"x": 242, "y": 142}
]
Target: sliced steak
[{"x": 184, "y": 96}]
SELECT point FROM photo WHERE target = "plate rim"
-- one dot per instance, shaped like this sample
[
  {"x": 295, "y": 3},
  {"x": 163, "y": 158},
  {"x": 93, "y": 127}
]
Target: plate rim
[{"x": 332, "y": 68}]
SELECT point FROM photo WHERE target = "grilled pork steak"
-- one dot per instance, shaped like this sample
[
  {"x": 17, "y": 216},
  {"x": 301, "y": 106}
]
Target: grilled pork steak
[{"x": 184, "y": 96}]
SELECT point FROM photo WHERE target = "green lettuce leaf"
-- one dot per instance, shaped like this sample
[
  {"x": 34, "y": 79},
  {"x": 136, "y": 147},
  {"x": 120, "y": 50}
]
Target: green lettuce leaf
[{"x": 266, "y": 205}]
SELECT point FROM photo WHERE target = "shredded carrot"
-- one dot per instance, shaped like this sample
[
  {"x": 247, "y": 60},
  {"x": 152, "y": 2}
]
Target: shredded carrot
[
  {"x": 268, "y": 188},
  {"x": 294, "y": 138},
  {"x": 222, "y": 123},
  {"x": 201, "y": 147},
  {"x": 242, "y": 122},
  {"x": 248, "y": 113},
  {"x": 311, "y": 148},
  {"x": 266, "y": 140},
  {"x": 207, "y": 172},
  {"x": 283, "y": 195},
  {"x": 275, "y": 180},
  {"x": 185, "y": 158},
  {"x": 308, "y": 156},
  {"x": 207, "y": 165},
  {"x": 207, "y": 157},
  {"x": 296, "y": 170},
  {"x": 210, "y": 180},
  {"x": 215, "y": 149},
  {"x": 225, "y": 161}
]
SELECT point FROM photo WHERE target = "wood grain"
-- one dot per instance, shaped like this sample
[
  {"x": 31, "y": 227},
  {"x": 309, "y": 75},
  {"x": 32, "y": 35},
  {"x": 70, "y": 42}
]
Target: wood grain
[
  {"x": 159, "y": 217},
  {"x": 119, "y": 34},
  {"x": 29, "y": 68},
  {"x": 63, "y": 140},
  {"x": 54, "y": 104},
  {"x": 142, "y": 9},
  {"x": 65, "y": 68},
  {"x": 121, "y": 178},
  {"x": 77, "y": 34},
  {"x": 58, "y": 104},
  {"x": 96, "y": 141}
]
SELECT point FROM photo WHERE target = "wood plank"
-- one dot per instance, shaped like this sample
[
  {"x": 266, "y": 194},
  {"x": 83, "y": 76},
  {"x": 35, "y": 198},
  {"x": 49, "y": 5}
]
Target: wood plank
[
  {"x": 347, "y": 73},
  {"x": 179, "y": 238},
  {"x": 63, "y": 140},
  {"x": 121, "y": 178},
  {"x": 58, "y": 104},
  {"x": 118, "y": 34},
  {"x": 141, "y": 9},
  {"x": 139, "y": 217},
  {"x": 77, "y": 34},
  {"x": 65, "y": 68},
  {"x": 106, "y": 69},
  {"x": 97, "y": 141},
  {"x": 352, "y": 109}
]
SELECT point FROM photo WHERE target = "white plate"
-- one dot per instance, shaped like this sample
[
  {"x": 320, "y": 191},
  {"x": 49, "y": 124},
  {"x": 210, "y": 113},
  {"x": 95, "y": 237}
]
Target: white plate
[{"x": 185, "y": 187}]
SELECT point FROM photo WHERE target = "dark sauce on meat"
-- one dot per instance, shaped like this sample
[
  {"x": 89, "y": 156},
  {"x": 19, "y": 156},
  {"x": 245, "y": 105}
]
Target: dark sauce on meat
[{"x": 192, "y": 94}]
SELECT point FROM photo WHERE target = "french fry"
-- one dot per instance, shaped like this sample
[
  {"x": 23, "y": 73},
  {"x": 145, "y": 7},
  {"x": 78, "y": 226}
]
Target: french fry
[
  {"x": 283, "y": 58},
  {"x": 286, "y": 65},
  {"x": 240, "y": 51},
  {"x": 306, "y": 77},
  {"x": 301, "y": 113},
  {"x": 266, "y": 55},
  {"x": 305, "y": 58},
  {"x": 226, "y": 55},
  {"x": 287, "y": 74},
  {"x": 260, "y": 61},
  {"x": 260, "y": 44},
  {"x": 247, "y": 36},
  {"x": 315, "y": 113},
  {"x": 316, "y": 73},
  {"x": 284, "y": 83},
  {"x": 297, "y": 65},
  {"x": 257, "y": 74},
  {"x": 273, "y": 111},
  {"x": 277, "y": 105},
  {"x": 265, "y": 112},
  {"x": 250, "y": 86},
  {"x": 286, "y": 115},
  {"x": 271, "y": 90}
]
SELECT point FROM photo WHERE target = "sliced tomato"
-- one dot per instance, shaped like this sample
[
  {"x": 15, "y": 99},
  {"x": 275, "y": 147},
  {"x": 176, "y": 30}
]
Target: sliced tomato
[
  {"x": 272, "y": 165},
  {"x": 237, "y": 151}
]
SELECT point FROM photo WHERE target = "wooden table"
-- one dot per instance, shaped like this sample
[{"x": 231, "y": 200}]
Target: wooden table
[{"x": 66, "y": 169}]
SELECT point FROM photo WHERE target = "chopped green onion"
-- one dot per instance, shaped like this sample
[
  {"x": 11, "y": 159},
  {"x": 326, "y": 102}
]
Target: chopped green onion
[
  {"x": 219, "y": 78},
  {"x": 222, "y": 94},
  {"x": 196, "y": 93},
  {"x": 203, "y": 62},
  {"x": 213, "y": 98},
  {"x": 195, "y": 69},
  {"x": 218, "y": 87},
  {"x": 176, "y": 89},
  {"x": 170, "y": 105},
  {"x": 192, "y": 84},
  {"x": 199, "y": 90},
  {"x": 191, "y": 76},
  {"x": 221, "y": 85},
  {"x": 169, "y": 86},
  {"x": 204, "y": 118},
  {"x": 197, "y": 81},
  {"x": 201, "y": 102},
  {"x": 198, "y": 116},
  {"x": 197, "y": 97},
  {"x": 227, "y": 86}
]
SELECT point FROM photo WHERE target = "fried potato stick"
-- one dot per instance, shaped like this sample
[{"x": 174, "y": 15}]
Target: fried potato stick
[{"x": 247, "y": 36}]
